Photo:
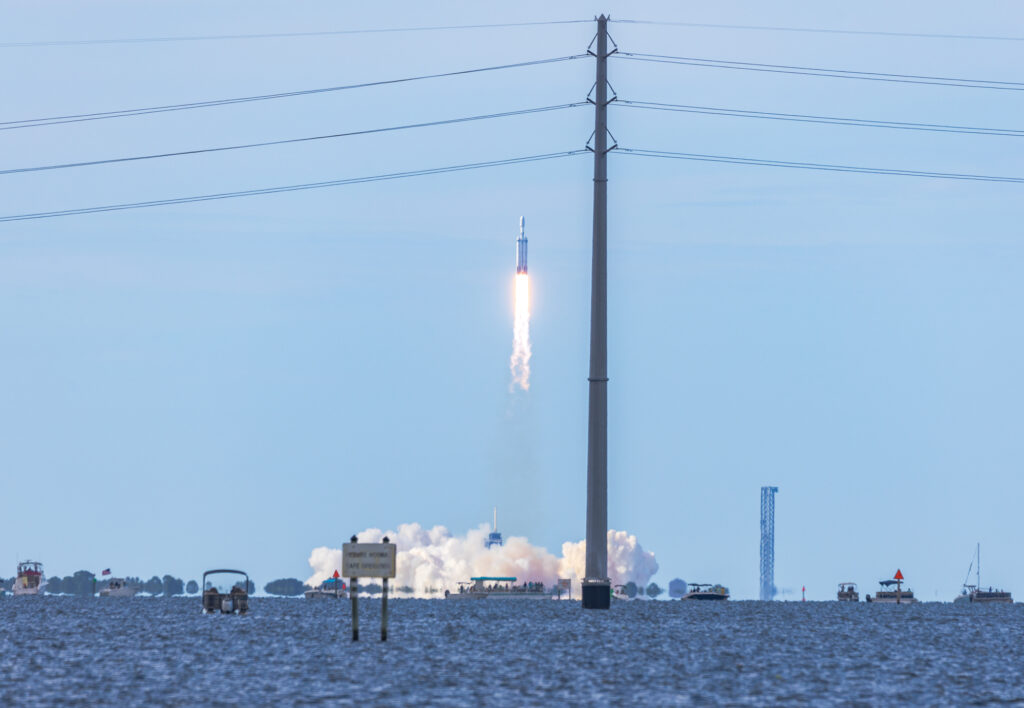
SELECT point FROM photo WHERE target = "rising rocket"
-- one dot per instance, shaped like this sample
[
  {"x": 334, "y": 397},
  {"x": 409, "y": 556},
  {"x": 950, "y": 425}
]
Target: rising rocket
[{"x": 521, "y": 247}]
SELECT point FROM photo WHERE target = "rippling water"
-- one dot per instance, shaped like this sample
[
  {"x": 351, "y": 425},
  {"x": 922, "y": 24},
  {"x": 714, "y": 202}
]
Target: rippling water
[{"x": 163, "y": 651}]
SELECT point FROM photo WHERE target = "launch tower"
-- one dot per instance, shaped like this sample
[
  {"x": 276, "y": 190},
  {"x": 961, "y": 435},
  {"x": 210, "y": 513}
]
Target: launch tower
[
  {"x": 768, "y": 542},
  {"x": 494, "y": 537}
]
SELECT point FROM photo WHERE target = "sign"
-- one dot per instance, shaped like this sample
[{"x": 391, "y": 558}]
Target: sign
[
  {"x": 368, "y": 560},
  {"x": 564, "y": 583},
  {"x": 898, "y": 576}
]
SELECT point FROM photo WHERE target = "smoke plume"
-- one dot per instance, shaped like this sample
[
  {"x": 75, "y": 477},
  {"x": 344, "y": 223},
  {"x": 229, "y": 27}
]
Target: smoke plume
[{"x": 431, "y": 561}]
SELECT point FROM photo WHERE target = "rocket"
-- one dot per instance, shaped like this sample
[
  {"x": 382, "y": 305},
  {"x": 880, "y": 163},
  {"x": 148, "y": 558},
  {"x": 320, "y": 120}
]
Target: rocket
[{"x": 521, "y": 247}]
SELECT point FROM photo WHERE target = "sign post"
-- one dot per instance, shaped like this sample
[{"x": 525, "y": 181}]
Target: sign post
[
  {"x": 899, "y": 583},
  {"x": 373, "y": 560}
]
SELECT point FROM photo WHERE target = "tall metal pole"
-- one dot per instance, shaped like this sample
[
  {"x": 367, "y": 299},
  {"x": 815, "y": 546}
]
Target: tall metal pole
[
  {"x": 768, "y": 542},
  {"x": 596, "y": 585}
]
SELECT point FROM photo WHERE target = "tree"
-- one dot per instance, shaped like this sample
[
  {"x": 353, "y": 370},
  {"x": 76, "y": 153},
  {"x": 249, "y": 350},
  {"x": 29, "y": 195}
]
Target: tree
[
  {"x": 288, "y": 587},
  {"x": 653, "y": 590},
  {"x": 676, "y": 588},
  {"x": 154, "y": 586},
  {"x": 54, "y": 586},
  {"x": 173, "y": 586},
  {"x": 81, "y": 583},
  {"x": 630, "y": 589},
  {"x": 192, "y": 588}
]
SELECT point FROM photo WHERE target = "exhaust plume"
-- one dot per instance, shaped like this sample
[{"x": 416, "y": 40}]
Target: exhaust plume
[
  {"x": 431, "y": 561},
  {"x": 520, "y": 362}
]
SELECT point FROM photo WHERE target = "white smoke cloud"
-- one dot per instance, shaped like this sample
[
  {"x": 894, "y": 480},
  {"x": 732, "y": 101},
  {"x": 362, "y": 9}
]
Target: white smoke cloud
[{"x": 436, "y": 560}]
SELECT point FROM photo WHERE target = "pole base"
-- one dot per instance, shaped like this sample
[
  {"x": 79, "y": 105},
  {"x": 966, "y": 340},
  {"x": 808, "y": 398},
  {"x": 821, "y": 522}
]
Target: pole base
[{"x": 597, "y": 596}]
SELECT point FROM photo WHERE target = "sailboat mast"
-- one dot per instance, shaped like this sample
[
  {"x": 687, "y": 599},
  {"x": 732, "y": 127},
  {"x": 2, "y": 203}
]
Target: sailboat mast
[
  {"x": 978, "y": 576},
  {"x": 495, "y": 519}
]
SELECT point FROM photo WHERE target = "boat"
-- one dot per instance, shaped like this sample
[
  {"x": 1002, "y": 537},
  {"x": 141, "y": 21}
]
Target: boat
[
  {"x": 230, "y": 602},
  {"x": 332, "y": 587},
  {"x": 848, "y": 593},
  {"x": 117, "y": 587},
  {"x": 706, "y": 591},
  {"x": 30, "y": 580},
  {"x": 975, "y": 593},
  {"x": 886, "y": 595},
  {"x": 498, "y": 588}
]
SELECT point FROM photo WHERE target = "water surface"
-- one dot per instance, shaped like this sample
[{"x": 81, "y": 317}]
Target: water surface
[{"x": 163, "y": 651}]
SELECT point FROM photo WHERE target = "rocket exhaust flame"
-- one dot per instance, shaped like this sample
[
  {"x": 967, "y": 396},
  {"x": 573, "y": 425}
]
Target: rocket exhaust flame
[{"x": 520, "y": 361}]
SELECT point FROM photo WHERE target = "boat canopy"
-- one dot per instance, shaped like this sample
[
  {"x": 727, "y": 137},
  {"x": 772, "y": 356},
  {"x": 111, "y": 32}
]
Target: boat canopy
[
  {"x": 494, "y": 580},
  {"x": 887, "y": 583}
]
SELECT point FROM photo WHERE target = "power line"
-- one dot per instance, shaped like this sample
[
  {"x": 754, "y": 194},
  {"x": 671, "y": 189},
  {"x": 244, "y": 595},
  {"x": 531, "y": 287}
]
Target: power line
[
  {"x": 830, "y": 73},
  {"x": 279, "y": 35},
  {"x": 449, "y": 121},
  {"x": 820, "y": 30},
  {"x": 291, "y": 188},
  {"x": 81, "y": 117},
  {"x": 815, "y": 166},
  {"x": 827, "y": 120}
]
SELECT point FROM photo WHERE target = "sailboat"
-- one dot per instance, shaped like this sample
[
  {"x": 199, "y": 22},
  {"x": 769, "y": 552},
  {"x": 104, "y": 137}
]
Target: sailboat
[{"x": 975, "y": 593}]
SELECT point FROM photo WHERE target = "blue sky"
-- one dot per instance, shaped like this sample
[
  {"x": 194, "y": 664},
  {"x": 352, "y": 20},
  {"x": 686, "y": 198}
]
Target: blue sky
[{"x": 285, "y": 370}]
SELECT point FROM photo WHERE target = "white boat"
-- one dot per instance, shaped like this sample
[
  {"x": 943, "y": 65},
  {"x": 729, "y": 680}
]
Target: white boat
[
  {"x": 333, "y": 588},
  {"x": 975, "y": 593},
  {"x": 117, "y": 587},
  {"x": 498, "y": 588},
  {"x": 847, "y": 592},
  {"x": 30, "y": 580},
  {"x": 887, "y": 596},
  {"x": 706, "y": 592}
]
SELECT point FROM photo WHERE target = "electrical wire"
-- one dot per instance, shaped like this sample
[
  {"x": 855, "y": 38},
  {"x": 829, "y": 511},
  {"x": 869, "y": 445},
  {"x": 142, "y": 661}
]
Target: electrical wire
[
  {"x": 81, "y": 117},
  {"x": 830, "y": 73},
  {"x": 815, "y": 166},
  {"x": 370, "y": 131},
  {"x": 293, "y": 187},
  {"x": 827, "y": 120},
  {"x": 279, "y": 35},
  {"x": 819, "y": 30}
]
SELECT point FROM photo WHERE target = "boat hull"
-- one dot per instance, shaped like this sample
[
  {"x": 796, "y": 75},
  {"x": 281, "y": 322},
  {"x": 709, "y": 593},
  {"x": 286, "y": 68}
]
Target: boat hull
[
  {"x": 117, "y": 592},
  {"x": 324, "y": 595},
  {"x": 498, "y": 596},
  {"x": 982, "y": 599},
  {"x": 26, "y": 591},
  {"x": 705, "y": 596}
]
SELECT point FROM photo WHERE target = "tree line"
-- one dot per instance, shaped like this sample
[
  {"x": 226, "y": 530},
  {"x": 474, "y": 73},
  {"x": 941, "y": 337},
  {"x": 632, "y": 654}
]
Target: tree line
[
  {"x": 292, "y": 587},
  {"x": 84, "y": 582}
]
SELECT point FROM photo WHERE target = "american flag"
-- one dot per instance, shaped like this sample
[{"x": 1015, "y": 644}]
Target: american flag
[{"x": 106, "y": 572}]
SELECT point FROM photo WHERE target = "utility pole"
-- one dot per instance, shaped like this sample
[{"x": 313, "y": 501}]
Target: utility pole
[{"x": 596, "y": 585}]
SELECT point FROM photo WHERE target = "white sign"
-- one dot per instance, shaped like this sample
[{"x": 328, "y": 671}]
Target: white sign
[{"x": 368, "y": 560}]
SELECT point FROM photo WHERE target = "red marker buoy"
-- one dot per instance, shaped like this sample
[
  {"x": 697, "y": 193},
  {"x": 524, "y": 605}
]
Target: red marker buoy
[{"x": 803, "y": 594}]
